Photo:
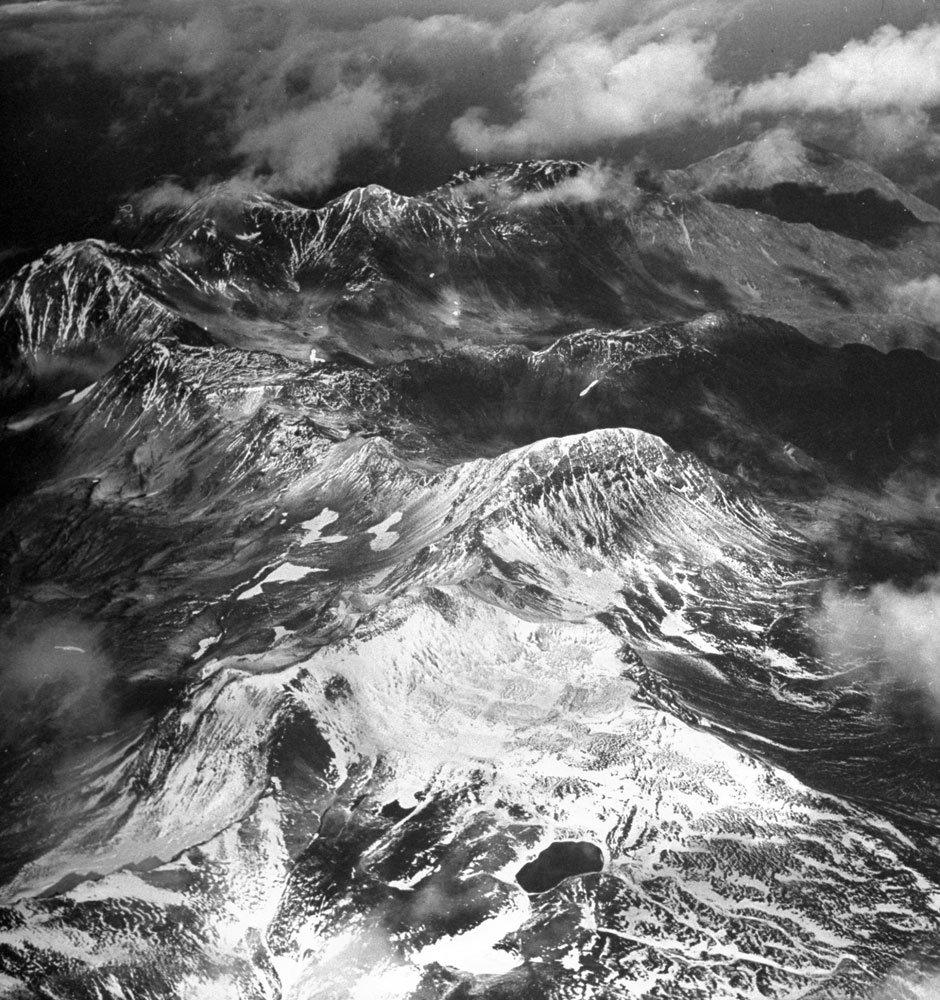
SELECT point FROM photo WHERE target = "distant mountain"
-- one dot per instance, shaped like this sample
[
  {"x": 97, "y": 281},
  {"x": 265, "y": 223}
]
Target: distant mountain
[{"x": 777, "y": 158}]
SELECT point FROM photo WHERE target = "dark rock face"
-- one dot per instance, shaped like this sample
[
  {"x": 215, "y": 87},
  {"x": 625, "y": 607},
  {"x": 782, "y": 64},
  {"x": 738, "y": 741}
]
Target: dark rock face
[
  {"x": 351, "y": 557},
  {"x": 859, "y": 215},
  {"x": 561, "y": 860}
]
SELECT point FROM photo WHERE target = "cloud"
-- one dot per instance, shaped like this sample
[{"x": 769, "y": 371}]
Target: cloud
[
  {"x": 169, "y": 195},
  {"x": 302, "y": 85},
  {"x": 592, "y": 183},
  {"x": 292, "y": 91},
  {"x": 301, "y": 149},
  {"x": 919, "y": 298},
  {"x": 593, "y": 90},
  {"x": 596, "y": 89},
  {"x": 53, "y": 675},
  {"x": 891, "y": 628},
  {"x": 889, "y": 70},
  {"x": 775, "y": 156},
  {"x": 595, "y": 182},
  {"x": 298, "y": 97},
  {"x": 874, "y": 98},
  {"x": 882, "y": 136}
]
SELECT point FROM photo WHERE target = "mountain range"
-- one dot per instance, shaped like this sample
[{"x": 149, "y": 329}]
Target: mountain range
[{"x": 523, "y": 589}]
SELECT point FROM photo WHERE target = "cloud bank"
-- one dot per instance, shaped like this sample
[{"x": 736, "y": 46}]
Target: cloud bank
[
  {"x": 594, "y": 90},
  {"x": 598, "y": 89},
  {"x": 890, "y": 70},
  {"x": 298, "y": 88}
]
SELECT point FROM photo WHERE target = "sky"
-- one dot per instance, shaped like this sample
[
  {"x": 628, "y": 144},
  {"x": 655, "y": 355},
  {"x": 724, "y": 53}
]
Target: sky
[{"x": 148, "y": 102}]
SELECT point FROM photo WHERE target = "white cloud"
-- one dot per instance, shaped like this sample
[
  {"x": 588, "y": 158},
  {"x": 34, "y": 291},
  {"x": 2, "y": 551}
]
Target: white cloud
[
  {"x": 776, "y": 154},
  {"x": 894, "y": 628},
  {"x": 889, "y": 70},
  {"x": 595, "y": 183},
  {"x": 301, "y": 84},
  {"x": 166, "y": 194},
  {"x": 889, "y": 134},
  {"x": 302, "y": 148},
  {"x": 602, "y": 69},
  {"x": 593, "y": 90},
  {"x": 919, "y": 298},
  {"x": 170, "y": 194}
]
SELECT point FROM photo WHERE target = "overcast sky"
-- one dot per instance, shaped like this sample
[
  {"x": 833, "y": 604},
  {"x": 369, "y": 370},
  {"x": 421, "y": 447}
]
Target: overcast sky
[{"x": 108, "y": 98}]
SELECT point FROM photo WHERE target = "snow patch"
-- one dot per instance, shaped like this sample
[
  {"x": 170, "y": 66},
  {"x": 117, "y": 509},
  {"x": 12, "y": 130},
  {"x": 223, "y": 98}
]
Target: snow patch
[
  {"x": 588, "y": 388},
  {"x": 285, "y": 573},
  {"x": 475, "y": 950},
  {"x": 313, "y": 529},
  {"x": 384, "y": 539},
  {"x": 206, "y": 644}
]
